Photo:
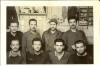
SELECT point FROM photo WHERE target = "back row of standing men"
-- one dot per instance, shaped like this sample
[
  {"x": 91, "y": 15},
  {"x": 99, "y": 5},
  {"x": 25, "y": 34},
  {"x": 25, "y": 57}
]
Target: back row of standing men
[{"x": 49, "y": 37}]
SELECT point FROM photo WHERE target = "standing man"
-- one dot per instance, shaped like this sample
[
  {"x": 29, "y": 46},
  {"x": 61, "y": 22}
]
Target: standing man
[
  {"x": 50, "y": 35},
  {"x": 13, "y": 34},
  {"x": 81, "y": 56},
  {"x": 29, "y": 36},
  {"x": 59, "y": 56},
  {"x": 73, "y": 34}
]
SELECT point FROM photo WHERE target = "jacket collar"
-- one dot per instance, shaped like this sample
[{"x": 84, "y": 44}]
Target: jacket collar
[{"x": 49, "y": 31}]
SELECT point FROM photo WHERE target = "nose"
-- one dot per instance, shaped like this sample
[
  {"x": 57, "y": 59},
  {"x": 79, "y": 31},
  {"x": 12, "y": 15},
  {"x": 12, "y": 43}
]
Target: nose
[
  {"x": 51, "y": 25},
  {"x": 15, "y": 27},
  {"x": 59, "y": 46}
]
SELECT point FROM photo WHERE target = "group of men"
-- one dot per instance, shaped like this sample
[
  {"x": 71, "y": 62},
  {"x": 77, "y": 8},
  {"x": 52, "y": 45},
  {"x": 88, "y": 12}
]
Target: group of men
[{"x": 54, "y": 47}]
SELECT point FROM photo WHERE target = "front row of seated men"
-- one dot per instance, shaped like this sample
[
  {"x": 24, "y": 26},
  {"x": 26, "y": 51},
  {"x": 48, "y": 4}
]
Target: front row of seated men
[{"x": 58, "y": 56}]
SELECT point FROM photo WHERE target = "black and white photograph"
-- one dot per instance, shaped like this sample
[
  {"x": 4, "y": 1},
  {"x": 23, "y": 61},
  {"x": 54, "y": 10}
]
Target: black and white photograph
[
  {"x": 51, "y": 0},
  {"x": 49, "y": 35}
]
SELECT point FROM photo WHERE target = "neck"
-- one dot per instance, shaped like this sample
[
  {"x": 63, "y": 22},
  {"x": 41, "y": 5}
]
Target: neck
[
  {"x": 13, "y": 33},
  {"x": 37, "y": 52},
  {"x": 59, "y": 53},
  {"x": 83, "y": 54},
  {"x": 14, "y": 51},
  {"x": 73, "y": 30},
  {"x": 53, "y": 31},
  {"x": 33, "y": 31}
]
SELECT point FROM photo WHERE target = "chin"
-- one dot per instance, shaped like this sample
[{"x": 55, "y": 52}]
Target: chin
[
  {"x": 15, "y": 50},
  {"x": 53, "y": 29},
  {"x": 14, "y": 31},
  {"x": 33, "y": 30},
  {"x": 37, "y": 50},
  {"x": 81, "y": 53},
  {"x": 59, "y": 51}
]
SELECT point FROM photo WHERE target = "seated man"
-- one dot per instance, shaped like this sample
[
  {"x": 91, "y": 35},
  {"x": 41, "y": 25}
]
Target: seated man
[
  {"x": 81, "y": 56},
  {"x": 38, "y": 56},
  {"x": 59, "y": 56},
  {"x": 14, "y": 56}
]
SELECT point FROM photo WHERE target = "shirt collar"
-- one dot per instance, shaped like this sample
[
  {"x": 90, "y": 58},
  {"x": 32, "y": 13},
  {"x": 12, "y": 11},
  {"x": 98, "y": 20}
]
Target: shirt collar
[
  {"x": 59, "y": 56},
  {"x": 56, "y": 54},
  {"x": 38, "y": 52},
  {"x": 14, "y": 54},
  {"x": 32, "y": 31},
  {"x": 82, "y": 55},
  {"x": 72, "y": 31},
  {"x": 13, "y": 34},
  {"x": 49, "y": 31}
]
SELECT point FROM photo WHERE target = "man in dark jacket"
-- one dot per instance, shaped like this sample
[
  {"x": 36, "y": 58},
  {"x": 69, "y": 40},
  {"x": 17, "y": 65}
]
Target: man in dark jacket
[
  {"x": 13, "y": 33},
  {"x": 50, "y": 35},
  {"x": 38, "y": 56},
  {"x": 81, "y": 56}
]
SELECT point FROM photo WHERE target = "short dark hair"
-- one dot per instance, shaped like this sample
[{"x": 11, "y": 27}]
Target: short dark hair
[
  {"x": 32, "y": 20},
  {"x": 59, "y": 40},
  {"x": 53, "y": 20},
  {"x": 79, "y": 41},
  {"x": 14, "y": 21},
  {"x": 36, "y": 39},
  {"x": 72, "y": 18},
  {"x": 15, "y": 40}
]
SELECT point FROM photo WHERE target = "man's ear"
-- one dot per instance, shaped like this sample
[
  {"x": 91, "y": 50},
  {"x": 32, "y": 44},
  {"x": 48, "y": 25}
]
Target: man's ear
[
  {"x": 10, "y": 46},
  {"x": 54, "y": 46},
  {"x": 63, "y": 47},
  {"x": 32, "y": 45},
  {"x": 9, "y": 27},
  {"x": 74, "y": 47},
  {"x": 85, "y": 47}
]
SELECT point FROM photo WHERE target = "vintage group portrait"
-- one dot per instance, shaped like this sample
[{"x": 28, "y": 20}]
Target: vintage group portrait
[{"x": 49, "y": 35}]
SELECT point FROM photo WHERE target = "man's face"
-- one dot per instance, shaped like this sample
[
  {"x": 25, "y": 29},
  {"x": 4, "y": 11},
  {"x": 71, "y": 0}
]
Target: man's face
[
  {"x": 14, "y": 45},
  {"x": 53, "y": 25},
  {"x": 33, "y": 25},
  {"x": 59, "y": 47},
  {"x": 37, "y": 45},
  {"x": 80, "y": 48},
  {"x": 72, "y": 23},
  {"x": 13, "y": 27}
]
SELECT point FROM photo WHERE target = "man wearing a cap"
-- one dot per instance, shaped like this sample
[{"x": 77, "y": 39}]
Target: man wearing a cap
[{"x": 50, "y": 35}]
